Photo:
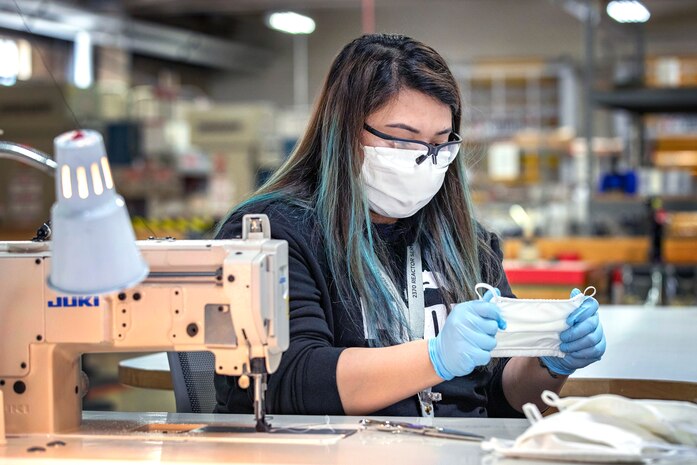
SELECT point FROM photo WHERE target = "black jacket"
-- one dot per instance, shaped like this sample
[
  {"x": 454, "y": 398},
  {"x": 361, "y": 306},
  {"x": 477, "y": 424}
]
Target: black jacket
[{"x": 321, "y": 327}]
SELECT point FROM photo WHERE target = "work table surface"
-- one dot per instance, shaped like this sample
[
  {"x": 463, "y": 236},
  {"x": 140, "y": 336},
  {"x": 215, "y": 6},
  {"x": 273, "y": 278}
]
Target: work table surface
[
  {"x": 364, "y": 447},
  {"x": 657, "y": 343},
  {"x": 108, "y": 438}
]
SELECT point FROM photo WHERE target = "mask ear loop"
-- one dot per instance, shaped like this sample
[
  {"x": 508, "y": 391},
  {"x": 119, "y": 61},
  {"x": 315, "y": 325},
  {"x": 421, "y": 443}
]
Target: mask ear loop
[
  {"x": 585, "y": 295},
  {"x": 532, "y": 413},
  {"x": 550, "y": 398},
  {"x": 589, "y": 288},
  {"x": 484, "y": 286}
]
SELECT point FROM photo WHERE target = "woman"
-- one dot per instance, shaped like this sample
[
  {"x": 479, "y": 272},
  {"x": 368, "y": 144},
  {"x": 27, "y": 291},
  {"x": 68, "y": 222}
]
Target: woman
[{"x": 374, "y": 191}]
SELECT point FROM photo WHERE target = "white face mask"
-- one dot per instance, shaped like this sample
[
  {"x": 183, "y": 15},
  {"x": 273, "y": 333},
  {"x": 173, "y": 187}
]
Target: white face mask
[
  {"x": 532, "y": 325},
  {"x": 395, "y": 185},
  {"x": 674, "y": 421},
  {"x": 605, "y": 428}
]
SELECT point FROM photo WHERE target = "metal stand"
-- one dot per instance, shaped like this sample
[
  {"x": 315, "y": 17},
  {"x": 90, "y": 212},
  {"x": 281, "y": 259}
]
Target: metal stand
[{"x": 585, "y": 186}]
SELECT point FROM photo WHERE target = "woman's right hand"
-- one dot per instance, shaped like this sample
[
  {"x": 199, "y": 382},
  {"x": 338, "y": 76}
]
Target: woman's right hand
[{"x": 467, "y": 338}]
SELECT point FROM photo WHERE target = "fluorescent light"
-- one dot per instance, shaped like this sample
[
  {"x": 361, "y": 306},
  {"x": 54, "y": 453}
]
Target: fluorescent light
[
  {"x": 9, "y": 62},
  {"x": 82, "y": 60},
  {"x": 24, "y": 70},
  {"x": 292, "y": 23},
  {"x": 628, "y": 11}
]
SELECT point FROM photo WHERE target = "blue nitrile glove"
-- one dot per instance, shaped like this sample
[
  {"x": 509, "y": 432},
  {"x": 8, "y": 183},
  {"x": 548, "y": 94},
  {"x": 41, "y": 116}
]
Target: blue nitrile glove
[
  {"x": 467, "y": 338},
  {"x": 583, "y": 342}
]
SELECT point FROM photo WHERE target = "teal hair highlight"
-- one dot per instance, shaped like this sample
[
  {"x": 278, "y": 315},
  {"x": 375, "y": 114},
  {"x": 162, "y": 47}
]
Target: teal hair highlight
[
  {"x": 456, "y": 256},
  {"x": 354, "y": 257}
]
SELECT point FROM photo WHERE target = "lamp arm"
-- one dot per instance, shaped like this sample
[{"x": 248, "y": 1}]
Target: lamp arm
[{"x": 28, "y": 156}]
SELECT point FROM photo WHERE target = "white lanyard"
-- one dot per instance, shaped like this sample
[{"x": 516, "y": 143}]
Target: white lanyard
[
  {"x": 415, "y": 290},
  {"x": 415, "y": 311}
]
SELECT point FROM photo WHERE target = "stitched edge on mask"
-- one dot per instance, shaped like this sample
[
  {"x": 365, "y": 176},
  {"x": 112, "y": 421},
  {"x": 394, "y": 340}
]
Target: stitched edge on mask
[
  {"x": 498, "y": 298},
  {"x": 510, "y": 299}
]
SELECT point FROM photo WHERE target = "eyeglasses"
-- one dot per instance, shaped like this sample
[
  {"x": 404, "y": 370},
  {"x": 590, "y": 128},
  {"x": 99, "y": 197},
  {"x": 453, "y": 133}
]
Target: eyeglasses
[{"x": 451, "y": 147}]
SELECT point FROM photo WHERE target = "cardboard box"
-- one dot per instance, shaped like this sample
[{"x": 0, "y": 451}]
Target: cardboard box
[
  {"x": 233, "y": 179},
  {"x": 223, "y": 127},
  {"x": 31, "y": 107},
  {"x": 28, "y": 108}
]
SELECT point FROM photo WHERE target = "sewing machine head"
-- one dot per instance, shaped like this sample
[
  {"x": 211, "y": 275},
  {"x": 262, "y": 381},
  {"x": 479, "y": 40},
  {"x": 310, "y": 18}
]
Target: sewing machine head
[{"x": 229, "y": 297}]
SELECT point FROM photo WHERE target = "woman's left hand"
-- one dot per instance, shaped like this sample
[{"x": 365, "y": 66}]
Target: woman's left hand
[{"x": 583, "y": 342}]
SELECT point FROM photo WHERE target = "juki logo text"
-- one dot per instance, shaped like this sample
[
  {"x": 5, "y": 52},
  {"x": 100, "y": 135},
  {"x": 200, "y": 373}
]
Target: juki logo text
[{"x": 78, "y": 301}]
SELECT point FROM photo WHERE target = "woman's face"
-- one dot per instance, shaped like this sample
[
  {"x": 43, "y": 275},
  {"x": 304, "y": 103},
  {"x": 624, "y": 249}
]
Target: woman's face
[{"x": 410, "y": 115}]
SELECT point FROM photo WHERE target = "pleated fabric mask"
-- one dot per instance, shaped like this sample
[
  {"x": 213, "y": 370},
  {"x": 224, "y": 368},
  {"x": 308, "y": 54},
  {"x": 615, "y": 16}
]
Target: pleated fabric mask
[{"x": 532, "y": 325}]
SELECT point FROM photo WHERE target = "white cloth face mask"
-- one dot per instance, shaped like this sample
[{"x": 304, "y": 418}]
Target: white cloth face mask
[
  {"x": 673, "y": 421},
  {"x": 532, "y": 325},
  {"x": 398, "y": 187},
  {"x": 581, "y": 432}
]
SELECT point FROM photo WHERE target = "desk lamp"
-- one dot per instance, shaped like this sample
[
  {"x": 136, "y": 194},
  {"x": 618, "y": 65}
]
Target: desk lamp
[{"x": 94, "y": 248}]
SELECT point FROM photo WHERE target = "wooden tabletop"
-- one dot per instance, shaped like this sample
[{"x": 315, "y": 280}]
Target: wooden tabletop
[
  {"x": 650, "y": 354},
  {"x": 148, "y": 371}
]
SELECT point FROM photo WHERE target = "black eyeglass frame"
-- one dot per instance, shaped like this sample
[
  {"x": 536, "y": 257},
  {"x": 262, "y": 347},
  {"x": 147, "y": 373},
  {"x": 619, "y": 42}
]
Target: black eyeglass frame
[{"x": 432, "y": 150}]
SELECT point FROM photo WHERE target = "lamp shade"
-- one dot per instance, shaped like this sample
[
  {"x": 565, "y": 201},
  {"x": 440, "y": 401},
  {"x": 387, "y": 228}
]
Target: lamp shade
[{"x": 94, "y": 249}]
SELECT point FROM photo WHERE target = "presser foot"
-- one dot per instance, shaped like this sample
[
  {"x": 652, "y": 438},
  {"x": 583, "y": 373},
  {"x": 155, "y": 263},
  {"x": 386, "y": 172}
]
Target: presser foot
[
  {"x": 262, "y": 426},
  {"x": 259, "y": 377}
]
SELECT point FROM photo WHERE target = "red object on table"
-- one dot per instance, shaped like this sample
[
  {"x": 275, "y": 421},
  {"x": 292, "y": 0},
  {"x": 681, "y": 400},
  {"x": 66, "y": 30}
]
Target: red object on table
[
  {"x": 570, "y": 256},
  {"x": 546, "y": 273}
]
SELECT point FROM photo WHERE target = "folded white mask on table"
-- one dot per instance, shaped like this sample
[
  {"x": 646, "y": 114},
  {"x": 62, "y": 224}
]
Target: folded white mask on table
[
  {"x": 605, "y": 428},
  {"x": 672, "y": 420},
  {"x": 532, "y": 325}
]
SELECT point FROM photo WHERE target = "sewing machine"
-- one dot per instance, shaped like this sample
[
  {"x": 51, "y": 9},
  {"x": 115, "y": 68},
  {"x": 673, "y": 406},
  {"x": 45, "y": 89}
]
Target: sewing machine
[{"x": 229, "y": 297}]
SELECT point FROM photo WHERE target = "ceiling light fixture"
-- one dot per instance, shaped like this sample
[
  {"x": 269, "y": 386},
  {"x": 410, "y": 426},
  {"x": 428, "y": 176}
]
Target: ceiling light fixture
[
  {"x": 24, "y": 71},
  {"x": 9, "y": 62},
  {"x": 628, "y": 11},
  {"x": 82, "y": 60},
  {"x": 291, "y": 23}
]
